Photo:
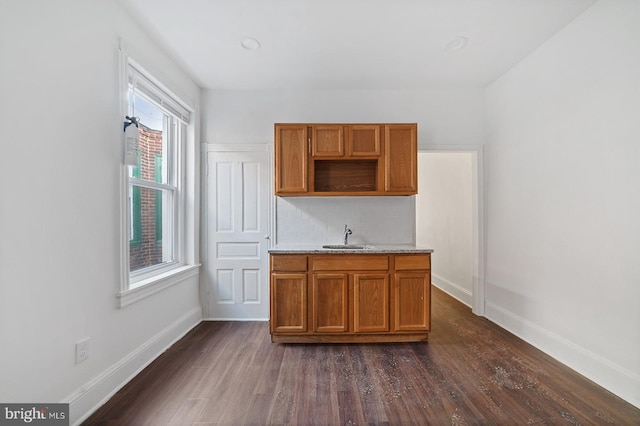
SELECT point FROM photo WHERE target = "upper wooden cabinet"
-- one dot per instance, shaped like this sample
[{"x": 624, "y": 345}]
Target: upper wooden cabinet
[
  {"x": 401, "y": 158},
  {"x": 327, "y": 141},
  {"x": 291, "y": 160},
  {"x": 364, "y": 140},
  {"x": 346, "y": 159},
  {"x": 345, "y": 140}
]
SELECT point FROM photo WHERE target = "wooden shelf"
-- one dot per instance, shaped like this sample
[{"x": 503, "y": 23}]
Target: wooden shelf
[{"x": 345, "y": 175}]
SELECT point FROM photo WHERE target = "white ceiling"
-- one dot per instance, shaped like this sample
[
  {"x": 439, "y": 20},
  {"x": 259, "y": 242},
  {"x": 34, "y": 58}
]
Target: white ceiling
[{"x": 351, "y": 44}]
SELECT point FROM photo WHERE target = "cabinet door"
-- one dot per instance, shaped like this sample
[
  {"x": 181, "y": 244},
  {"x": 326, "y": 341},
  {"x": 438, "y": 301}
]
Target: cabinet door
[
  {"x": 327, "y": 141},
  {"x": 412, "y": 292},
  {"x": 364, "y": 140},
  {"x": 288, "y": 303},
  {"x": 401, "y": 158},
  {"x": 291, "y": 159},
  {"x": 330, "y": 303},
  {"x": 370, "y": 303}
]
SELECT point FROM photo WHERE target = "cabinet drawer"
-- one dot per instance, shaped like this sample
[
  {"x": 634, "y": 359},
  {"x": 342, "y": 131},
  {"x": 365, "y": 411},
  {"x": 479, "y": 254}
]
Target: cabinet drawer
[
  {"x": 289, "y": 263},
  {"x": 413, "y": 261},
  {"x": 348, "y": 262}
]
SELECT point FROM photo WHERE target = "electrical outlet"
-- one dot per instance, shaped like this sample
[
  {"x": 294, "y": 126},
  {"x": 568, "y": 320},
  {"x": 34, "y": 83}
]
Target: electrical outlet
[{"x": 82, "y": 350}]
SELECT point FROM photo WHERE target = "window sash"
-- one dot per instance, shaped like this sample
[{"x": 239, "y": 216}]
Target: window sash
[
  {"x": 166, "y": 215},
  {"x": 168, "y": 226},
  {"x": 152, "y": 185},
  {"x": 156, "y": 93}
]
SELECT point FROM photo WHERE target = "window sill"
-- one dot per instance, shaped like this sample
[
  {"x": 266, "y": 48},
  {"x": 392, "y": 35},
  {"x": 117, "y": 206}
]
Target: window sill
[{"x": 147, "y": 287}]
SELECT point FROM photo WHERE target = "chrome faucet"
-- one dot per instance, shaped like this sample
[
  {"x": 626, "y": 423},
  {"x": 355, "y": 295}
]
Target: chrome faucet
[{"x": 347, "y": 232}]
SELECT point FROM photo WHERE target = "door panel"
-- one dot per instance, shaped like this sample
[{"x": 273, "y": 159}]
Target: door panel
[
  {"x": 237, "y": 224},
  {"x": 330, "y": 305},
  {"x": 327, "y": 141},
  {"x": 289, "y": 303},
  {"x": 291, "y": 148},
  {"x": 412, "y": 301},
  {"x": 371, "y": 303},
  {"x": 401, "y": 158}
]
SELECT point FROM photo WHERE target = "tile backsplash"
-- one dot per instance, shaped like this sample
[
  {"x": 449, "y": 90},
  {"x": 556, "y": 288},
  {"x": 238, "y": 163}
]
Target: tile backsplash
[{"x": 321, "y": 220}]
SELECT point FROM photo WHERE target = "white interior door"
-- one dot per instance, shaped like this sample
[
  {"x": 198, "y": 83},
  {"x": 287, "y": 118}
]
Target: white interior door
[{"x": 237, "y": 214}]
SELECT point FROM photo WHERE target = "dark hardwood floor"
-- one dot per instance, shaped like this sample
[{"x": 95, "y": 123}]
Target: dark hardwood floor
[{"x": 470, "y": 372}]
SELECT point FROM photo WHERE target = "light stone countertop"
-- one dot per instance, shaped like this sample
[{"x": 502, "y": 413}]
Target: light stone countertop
[{"x": 369, "y": 249}]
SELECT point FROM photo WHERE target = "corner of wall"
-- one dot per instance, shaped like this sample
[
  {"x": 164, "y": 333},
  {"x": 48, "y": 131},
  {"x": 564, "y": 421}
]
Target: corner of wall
[
  {"x": 605, "y": 373},
  {"x": 95, "y": 393}
]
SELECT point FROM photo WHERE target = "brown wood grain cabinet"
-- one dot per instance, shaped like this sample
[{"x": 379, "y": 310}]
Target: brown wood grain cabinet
[
  {"x": 291, "y": 162},
  {"x": 350, "y": 297},
  {"x": 289, "y": 302},
  {"x": 411, "y": 289},
  {"x": 327, "y": 141},
  {"x": 289, "y": 294},
  {"x": 412, "y": 286},
  {"x": 364, "y": 140},
  {"x": 401, "y": 158},
  {"x": 330, "y": 310},
  {"x": 371, "y": 303},
  {"x": 316, "y": 159}
]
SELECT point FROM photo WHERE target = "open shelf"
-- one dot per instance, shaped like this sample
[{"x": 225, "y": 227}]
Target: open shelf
[{"x": 345, "y": 175}]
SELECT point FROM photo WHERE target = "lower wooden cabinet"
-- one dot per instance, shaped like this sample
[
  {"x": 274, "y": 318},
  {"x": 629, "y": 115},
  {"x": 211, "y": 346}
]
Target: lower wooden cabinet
[
  {"x": 371, "y": 303},
  {"x": 329, "y": 303},
  {"x": 350, "y": 298},
  {"x": 288, "y": 303},
  {"x": 411, "y": 289}
]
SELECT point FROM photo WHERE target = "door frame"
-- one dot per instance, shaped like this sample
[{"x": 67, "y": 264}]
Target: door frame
[
  {"x": 205, "y": 149},
  {"x": 479, "y": 218}
]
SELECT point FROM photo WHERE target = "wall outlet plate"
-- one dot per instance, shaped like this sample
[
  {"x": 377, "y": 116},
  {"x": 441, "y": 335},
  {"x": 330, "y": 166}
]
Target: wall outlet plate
[{"x": 82, "y": 350}]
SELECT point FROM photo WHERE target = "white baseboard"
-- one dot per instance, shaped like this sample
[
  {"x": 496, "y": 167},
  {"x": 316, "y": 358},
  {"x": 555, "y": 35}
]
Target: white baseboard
[
  {"x": 454, "y": 290},
  {"x": 605, "y": 373},
  {"x": 84, "y": 401}
]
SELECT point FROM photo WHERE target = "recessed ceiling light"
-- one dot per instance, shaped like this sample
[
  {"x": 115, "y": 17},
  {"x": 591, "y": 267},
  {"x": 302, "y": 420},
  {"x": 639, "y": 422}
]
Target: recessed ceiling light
[
  {"x": 456, "y": 44},
  {"x": 250, "y": 43}
]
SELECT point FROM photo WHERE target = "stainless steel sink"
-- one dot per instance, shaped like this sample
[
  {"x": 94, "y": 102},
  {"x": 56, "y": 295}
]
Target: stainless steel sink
[{"x": 344, "y": 246}]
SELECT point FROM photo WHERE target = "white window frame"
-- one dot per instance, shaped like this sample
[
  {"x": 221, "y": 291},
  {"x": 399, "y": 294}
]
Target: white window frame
[{"x": 140, "y": 284}]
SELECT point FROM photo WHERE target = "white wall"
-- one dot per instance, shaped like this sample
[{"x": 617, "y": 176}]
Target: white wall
[
  {"x": 321, "y": 220},
  {"x": 60, "y": 130},
  {"x": 563, "y": 208},
  {"x": 444, "y": 117},
  {"x": 444, "y": 213}
]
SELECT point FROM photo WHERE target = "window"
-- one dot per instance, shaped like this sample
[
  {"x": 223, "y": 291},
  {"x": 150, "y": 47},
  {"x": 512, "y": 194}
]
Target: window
[
  {"x": 156, "y": 210},
  {"x": 153, "y": 192}
]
